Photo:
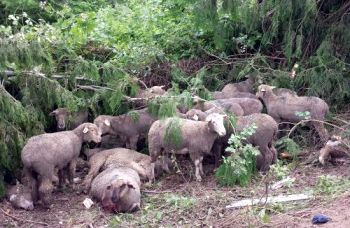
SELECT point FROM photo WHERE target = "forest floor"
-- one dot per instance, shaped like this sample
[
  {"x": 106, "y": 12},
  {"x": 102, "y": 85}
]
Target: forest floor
[{"x": 178, "y": 201}]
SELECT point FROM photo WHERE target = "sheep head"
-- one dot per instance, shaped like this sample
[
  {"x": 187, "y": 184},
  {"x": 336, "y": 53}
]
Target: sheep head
[
  {"x": 104, "y": 124},
  {"x": 264, "y": 90},
  {"x": 91, "y": 133},
  {"x": 216, "y": 123},
  {"x": 116, "y": 197},
  {"x": 159, "y": 90},
  {"x": 61, "y": 115}
]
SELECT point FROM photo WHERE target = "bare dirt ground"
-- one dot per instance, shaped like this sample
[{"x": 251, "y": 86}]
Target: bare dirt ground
[{"x": 178, "y": 201}]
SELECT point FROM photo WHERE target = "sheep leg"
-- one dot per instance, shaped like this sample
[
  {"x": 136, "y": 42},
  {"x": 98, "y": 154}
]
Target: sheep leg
[
  {"x": 141, "y": 171},
  {"x": 132, "y": 142},
  {"x": 45, "y": 190},
  {"x": 61, "y": 177},
  {"x": 95, "y": 166},
  {"x": 164, "y": 164},
  {"x": 264, "y": 159},
  {"x": 152, "y": 175},
  {"x": 71, "y": 171},
  {"x": 197, "y": 164},
  {"x": 32, "y": 183},
  {"x": 321, "y": 131},
  {"x": 201, "y": 166},
  {"x": 274, "y": 154},
  {"x": 45, "y": 186}
]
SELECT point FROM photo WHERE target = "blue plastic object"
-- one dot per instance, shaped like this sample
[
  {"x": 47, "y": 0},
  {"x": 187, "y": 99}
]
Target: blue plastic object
[{"x": 319, "y": 219}]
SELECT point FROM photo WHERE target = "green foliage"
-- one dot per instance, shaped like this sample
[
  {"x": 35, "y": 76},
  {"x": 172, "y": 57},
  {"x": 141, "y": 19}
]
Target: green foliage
[
  {"x": 173, "y": 134},
  {"x": 288, "y": 144},
  {"x": 135, "y": 116},
  {"x": 16, "y": 124},
  {"x": 279, "y": 170},
  {"x": 331, "y": 185},
  {"x": 240, "y": 166}
]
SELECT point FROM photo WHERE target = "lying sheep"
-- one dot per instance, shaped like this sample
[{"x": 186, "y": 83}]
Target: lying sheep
[
  {"x": 234, "y": 105},
  {"x": 63, "y": 116},
  {"x": 244, "y": 87},
  {"x": 19, "y": 196},
  {"x": 221, "y": 95},
  {"x": 197, "y": 138},
  {"x": 129, "y": 128},
  {"x": 44, "y": 153},
  {"x": 118, "y": 190},
  {"x": 120, "y": 157},
  {"x": 287, "y": 108},
  {"x": 333, "y": 148},
  {"x": 263, "y": 138},
  {"x": 196, "y": 114},
  {"x": 149, "y": 94}
]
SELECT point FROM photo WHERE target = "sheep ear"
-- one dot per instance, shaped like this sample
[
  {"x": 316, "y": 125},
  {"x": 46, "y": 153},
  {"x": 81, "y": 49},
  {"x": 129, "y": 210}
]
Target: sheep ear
[
  {"x": 12, "y": 197},
  {"x": 85, "y": 130},
  {"x": 195, "y": 117},
  {"x": 53, "y": 113},
  {"x": 162, "y": 87},
  {"x": 107, "y": 122},
  {"x": 272, "y": 87}
]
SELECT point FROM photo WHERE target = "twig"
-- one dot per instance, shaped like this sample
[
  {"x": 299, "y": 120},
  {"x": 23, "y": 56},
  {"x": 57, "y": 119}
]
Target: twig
[
  {"x": 157, "y": 192},
  {"x": 93, "y": 87},
  {"x": 312, "y": 120},
  {"x": 22, "y": 220}
]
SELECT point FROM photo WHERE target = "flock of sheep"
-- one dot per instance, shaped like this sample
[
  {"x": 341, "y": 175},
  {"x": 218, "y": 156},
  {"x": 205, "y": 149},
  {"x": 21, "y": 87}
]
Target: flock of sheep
[{"x": 115, "y": 174}]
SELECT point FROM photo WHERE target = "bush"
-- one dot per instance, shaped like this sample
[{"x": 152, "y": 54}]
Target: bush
[{"x": 240, "y": 166}]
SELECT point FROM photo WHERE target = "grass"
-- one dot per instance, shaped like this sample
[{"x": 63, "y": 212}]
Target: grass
[{"x": 157, "y": 210}]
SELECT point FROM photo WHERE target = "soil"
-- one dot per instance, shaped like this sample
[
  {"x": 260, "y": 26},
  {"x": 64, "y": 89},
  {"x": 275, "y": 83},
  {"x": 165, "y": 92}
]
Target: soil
[{"x": 176, "y": 200}]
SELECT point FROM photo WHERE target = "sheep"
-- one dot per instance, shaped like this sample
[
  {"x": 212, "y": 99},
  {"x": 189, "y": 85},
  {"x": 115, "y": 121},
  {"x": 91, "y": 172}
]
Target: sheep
[
  {"x": 286, "y": 108},
  {"x": 44, "y": 153},
  {"x": 244, "y": 86},
  {"x": 196, "y": 114},
  {"x": 149, "y": 94},
  {"x": 234, "y": 105},
  {"x": 197, "y": 138},
  {"x": 283, "y": 92},
  {"x": 333, "y": 148},
  {"x": 221, "y": 95},
  {"x": 118, "y": 190},
  {"x": 120, "y": 157},
  {"x": 129, "y": 129},
  {"x": 263, "y": 138},
  {"x": 19, "y": 196},
  {"x": 62, "y": 115}
]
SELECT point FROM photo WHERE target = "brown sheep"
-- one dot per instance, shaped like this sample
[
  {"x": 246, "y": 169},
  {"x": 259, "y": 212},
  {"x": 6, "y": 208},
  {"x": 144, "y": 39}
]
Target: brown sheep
[
  {"x": 19, "y": 196},
  {"x": 196, "y": 114},
  {"x": 286, "y": 108},
  {"x": 149, "y": 94},
  {"x": 197, "y": 138},
  {"x": 284, "y": 92},
  {"x": 334, "y": 148},
  {"x": 44, "y": 153},
  {"x": 234, "y": 105},
  {"x": 221, "y": 95},
  {"x": 262, "y": 138},
  {"x": 244, "y": 87},
  {"x": 118, "y": 190},
  {"x": 63, "y": 116},
  {"x": 119, "y": 157},
  {"x": 129, "y": 129}
]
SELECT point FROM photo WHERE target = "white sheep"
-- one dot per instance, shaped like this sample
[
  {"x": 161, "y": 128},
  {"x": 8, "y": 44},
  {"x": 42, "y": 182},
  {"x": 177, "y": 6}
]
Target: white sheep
[{"x": 197, "y": 139}]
